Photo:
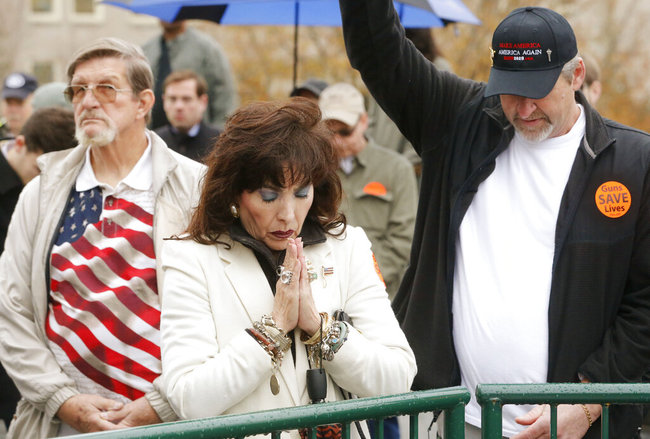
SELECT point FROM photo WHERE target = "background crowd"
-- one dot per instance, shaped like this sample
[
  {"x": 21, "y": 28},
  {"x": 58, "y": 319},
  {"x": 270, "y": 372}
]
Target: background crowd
[{"x": 146, "y": 135}]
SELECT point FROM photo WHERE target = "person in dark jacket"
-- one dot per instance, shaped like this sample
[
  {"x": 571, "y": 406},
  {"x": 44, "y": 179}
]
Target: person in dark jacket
[
  {"x": 530, "y": 254},
  {"x": 185, "y": 100}
]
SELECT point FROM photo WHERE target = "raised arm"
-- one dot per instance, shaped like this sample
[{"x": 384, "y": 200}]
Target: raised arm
[{"x": 420, "y": 99}]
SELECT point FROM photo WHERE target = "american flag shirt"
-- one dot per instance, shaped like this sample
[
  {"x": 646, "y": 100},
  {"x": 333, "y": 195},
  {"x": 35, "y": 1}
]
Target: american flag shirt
[{"x": 103, "y": 321}]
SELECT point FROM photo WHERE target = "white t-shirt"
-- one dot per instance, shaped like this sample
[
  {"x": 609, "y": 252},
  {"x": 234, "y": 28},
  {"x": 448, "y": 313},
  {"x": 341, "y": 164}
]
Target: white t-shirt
[{"x": 502, "y": 277}]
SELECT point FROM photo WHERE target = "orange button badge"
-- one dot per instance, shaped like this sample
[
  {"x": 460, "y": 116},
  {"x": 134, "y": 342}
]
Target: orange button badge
[
  {"x": 375, "y": 188},
  {"x": 613, "y": 199}
]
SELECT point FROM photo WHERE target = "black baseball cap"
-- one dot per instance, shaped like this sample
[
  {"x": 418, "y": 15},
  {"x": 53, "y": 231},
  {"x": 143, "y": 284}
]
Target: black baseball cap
[
  {"x": 313, "y": 85},
  {"x": 18, "y": 86},
  {"x": 529, "y": 49}
]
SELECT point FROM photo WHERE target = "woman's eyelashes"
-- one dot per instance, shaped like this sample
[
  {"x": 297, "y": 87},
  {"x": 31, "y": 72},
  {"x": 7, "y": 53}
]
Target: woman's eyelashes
[
  {"x": 270, "y": 195},
  {"x": 303, "y": 192}
]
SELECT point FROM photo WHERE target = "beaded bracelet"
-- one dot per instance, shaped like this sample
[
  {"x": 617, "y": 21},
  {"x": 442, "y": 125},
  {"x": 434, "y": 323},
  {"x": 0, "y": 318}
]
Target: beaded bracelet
[
  {"x": 330, "y": 345},
  {"x": 266, "y": 344},
  {"x": 275, "y": 342},
  {"x": 276, "y": 336},
  {"x": 337, "y": 336},
  {"x": 314, "y": 339}
]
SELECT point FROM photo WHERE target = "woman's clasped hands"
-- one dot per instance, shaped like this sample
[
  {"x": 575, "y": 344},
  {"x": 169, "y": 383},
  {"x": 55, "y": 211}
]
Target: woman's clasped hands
[{"x": 294, "y": 305}]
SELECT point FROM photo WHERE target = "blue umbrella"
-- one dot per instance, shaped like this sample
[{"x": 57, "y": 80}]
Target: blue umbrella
[
  {"x": 447, "y": 10},
  {"x": 413, "y": 13},
  {"x": 310, "y": 13}
]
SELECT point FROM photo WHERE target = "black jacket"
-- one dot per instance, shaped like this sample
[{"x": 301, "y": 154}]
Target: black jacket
[
  {"x": 196, "y": 147},
  {"x": 599, "y": 310},
  {"x": 10, "y": 187}
]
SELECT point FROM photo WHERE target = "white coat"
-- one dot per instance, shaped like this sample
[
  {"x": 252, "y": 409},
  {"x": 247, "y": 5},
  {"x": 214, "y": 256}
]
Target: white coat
[{"x": 212, "y": 366}]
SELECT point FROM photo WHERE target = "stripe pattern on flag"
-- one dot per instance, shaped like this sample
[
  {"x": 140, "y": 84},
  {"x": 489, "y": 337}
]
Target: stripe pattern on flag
[{"x": 103, "y": 319}]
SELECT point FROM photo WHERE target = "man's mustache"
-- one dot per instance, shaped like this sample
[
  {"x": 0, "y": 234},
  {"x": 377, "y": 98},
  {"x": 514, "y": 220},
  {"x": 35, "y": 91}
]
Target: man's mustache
[
  {"x": 534, "y": 115},
  {"x": 92, "y": 114}
]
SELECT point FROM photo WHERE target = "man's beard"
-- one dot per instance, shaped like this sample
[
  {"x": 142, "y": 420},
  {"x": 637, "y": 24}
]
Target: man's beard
[
  {"x": 103, "y": 138},
  {"x": 535, "y": 134}
]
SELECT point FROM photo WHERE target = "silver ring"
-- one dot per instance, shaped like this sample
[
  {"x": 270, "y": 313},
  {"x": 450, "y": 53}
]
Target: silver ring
[{"x": 285, "y": 275}]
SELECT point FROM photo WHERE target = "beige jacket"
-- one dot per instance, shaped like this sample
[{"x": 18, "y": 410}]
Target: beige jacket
[{"x": 24, "y": 284}]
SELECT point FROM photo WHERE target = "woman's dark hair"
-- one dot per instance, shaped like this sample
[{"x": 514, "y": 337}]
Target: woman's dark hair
[{"x": 259, "y": 143}]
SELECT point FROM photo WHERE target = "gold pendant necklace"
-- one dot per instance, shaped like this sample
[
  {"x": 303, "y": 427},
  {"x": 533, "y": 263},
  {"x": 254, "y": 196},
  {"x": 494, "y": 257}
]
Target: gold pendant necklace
[{"x": 275, "y": 386}]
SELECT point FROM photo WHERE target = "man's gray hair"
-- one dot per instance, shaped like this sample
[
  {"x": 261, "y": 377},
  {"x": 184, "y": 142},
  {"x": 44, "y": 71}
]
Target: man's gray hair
[
  {"x": 138, "y": 71},
  {"x": 570, "y": 67}
]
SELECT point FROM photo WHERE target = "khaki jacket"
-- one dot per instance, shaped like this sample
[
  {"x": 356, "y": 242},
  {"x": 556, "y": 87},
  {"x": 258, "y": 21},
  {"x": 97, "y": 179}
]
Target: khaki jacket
[
  {"x": 381, "y": 196},
  {"x": 24, "y": 272}
]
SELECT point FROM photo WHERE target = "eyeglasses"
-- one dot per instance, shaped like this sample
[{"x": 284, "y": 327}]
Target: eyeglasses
[{"x": 104, "y": 93}]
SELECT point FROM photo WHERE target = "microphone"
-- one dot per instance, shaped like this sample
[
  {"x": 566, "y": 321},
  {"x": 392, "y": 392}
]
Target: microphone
[
  {"x": 316, "y": 378},
  {"x": 316, "y": 385}
]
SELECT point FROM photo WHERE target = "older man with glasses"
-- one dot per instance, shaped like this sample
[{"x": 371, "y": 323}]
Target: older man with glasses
[
  {"x": 80, "y": 309},
  {"x": 379, "y": 185}
]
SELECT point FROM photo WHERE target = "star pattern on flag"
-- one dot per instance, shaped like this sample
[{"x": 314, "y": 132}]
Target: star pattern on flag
[{"x": 83, "y": 208}]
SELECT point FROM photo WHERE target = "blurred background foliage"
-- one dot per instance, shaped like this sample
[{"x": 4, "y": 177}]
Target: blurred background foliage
[{"x": 614, "y": 32}]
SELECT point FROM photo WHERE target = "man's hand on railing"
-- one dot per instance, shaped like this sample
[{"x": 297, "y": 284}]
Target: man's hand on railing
[
  {"x": 133, "y": 414},
  {"x": 572, "y": 422}
]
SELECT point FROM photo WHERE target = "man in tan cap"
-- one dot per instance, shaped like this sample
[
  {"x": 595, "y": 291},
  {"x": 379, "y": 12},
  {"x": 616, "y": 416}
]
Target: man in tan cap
[{"x": 379, "y": 185}]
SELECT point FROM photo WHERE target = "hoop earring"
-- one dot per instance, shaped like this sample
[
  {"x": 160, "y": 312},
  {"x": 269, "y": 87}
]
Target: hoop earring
[{"x": 234, "y": 211}]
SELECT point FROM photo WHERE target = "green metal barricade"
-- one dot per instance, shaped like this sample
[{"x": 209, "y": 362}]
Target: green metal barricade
[
  {"x": 451, "y": 400},
  {"x": 492, "y": 397}
]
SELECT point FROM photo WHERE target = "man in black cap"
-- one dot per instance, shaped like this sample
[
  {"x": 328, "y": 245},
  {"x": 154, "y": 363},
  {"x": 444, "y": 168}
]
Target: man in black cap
[
  {"x": 311, "y": 89},
  {"x": 530, "y": 254},
  {"x": 17, "y": 92}
]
